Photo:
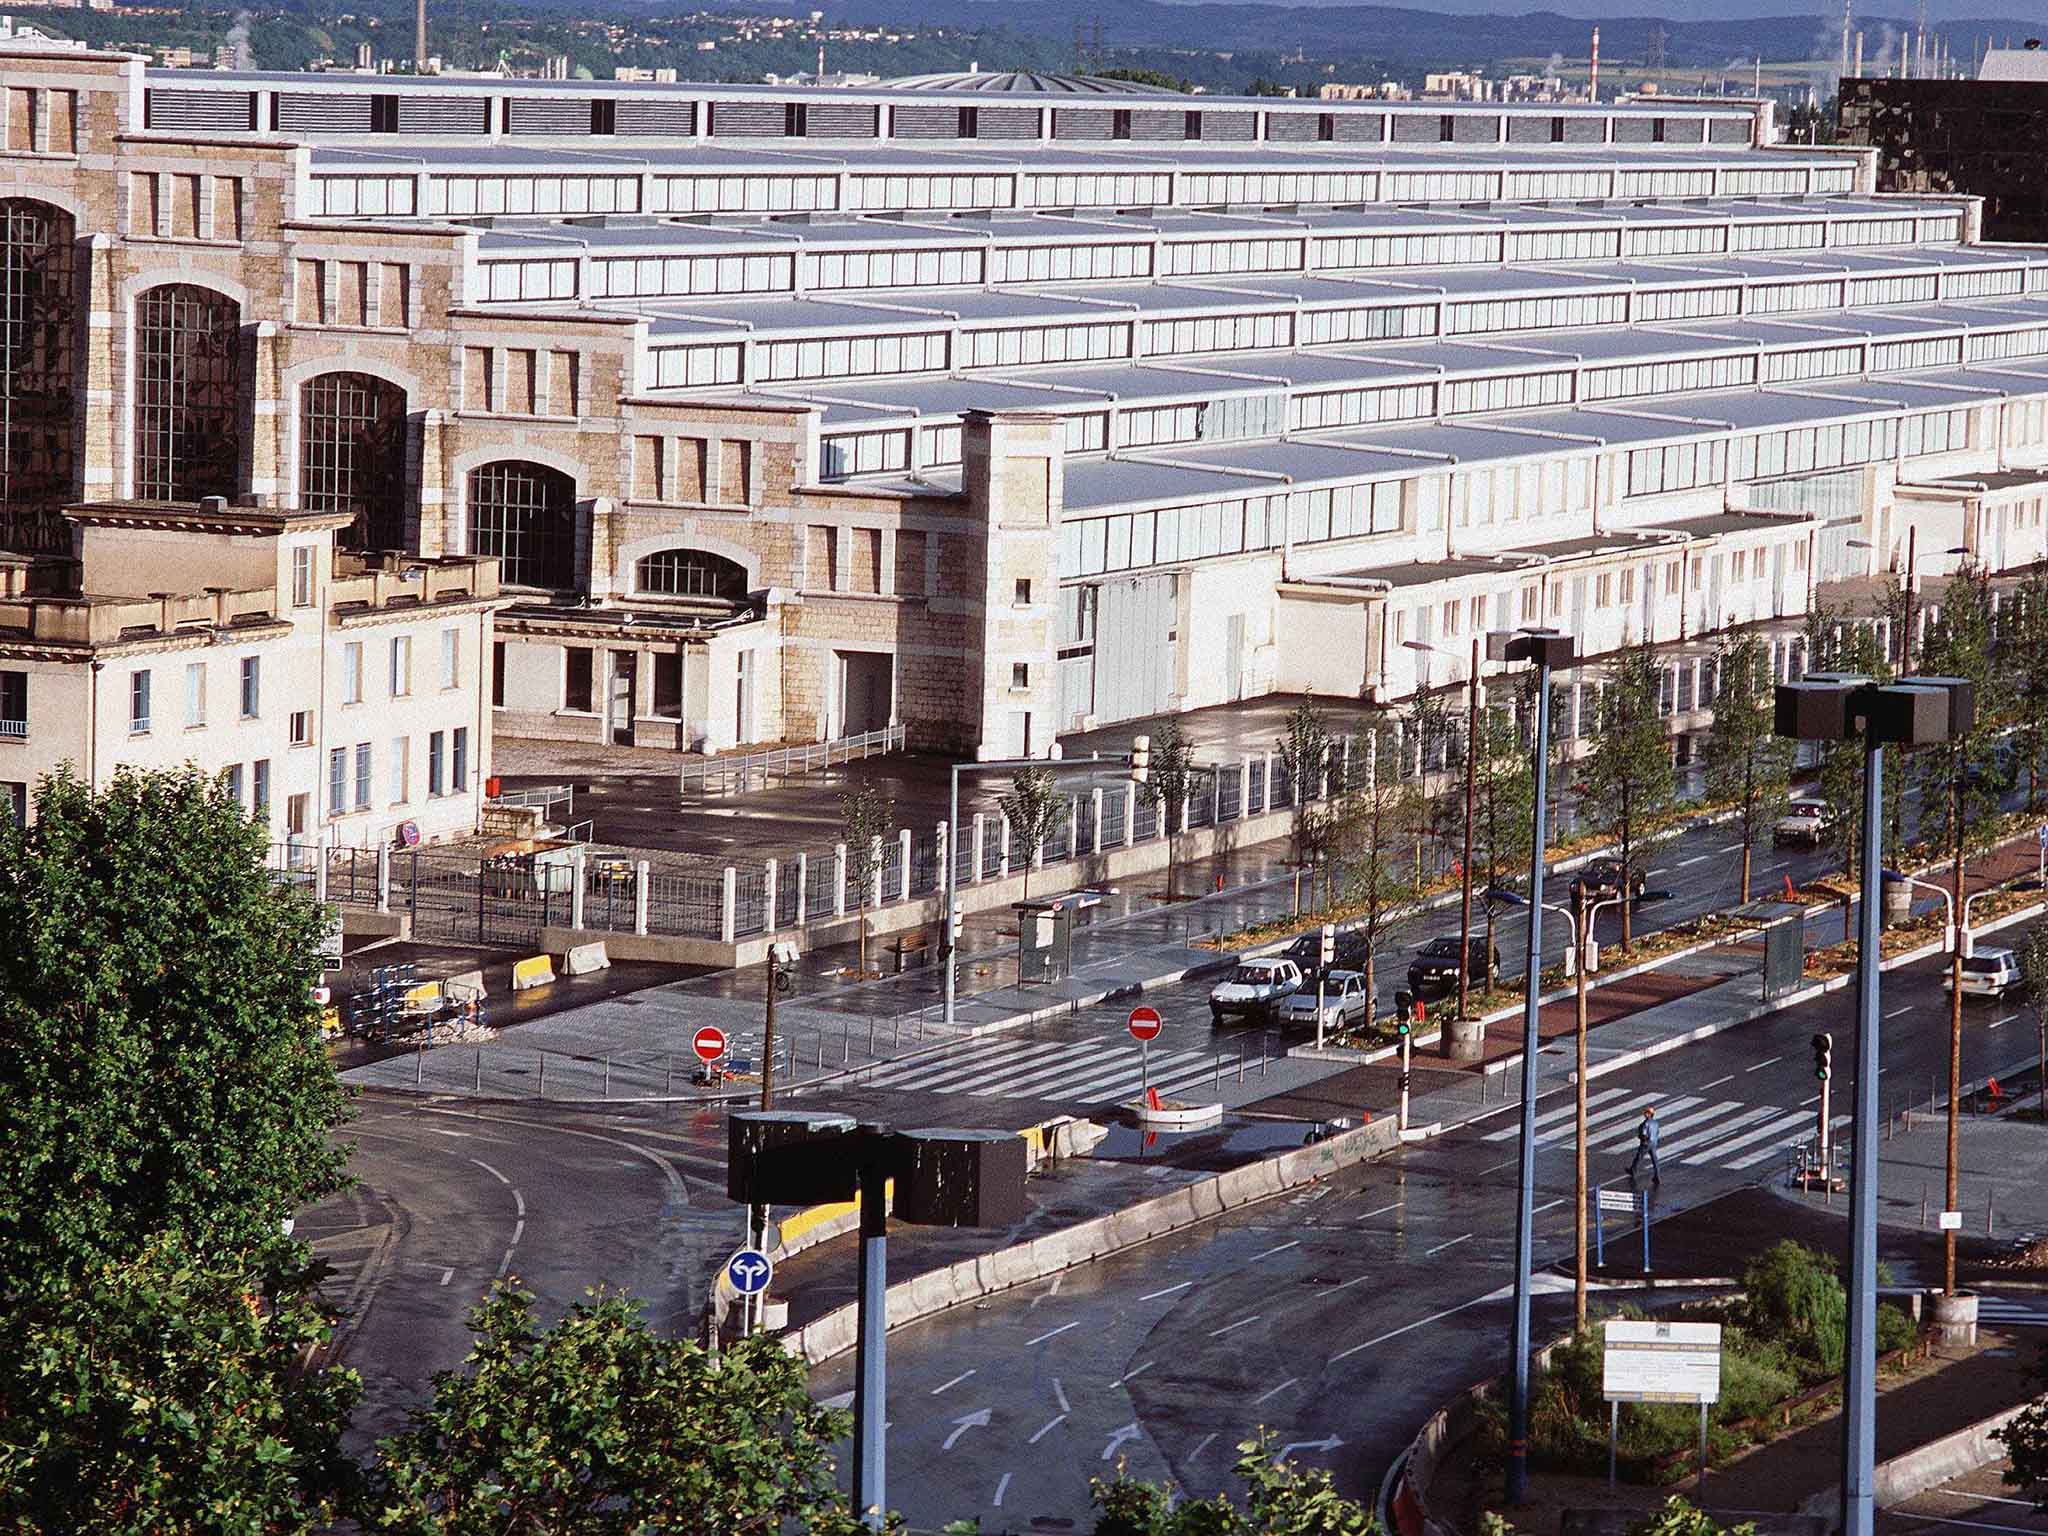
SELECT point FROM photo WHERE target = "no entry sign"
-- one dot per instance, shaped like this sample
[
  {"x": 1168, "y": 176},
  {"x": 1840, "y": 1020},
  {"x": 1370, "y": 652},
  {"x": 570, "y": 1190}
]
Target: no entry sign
[
  {"x": 708, "y": 1043},
  {"x": 1145, "y": 1023}
]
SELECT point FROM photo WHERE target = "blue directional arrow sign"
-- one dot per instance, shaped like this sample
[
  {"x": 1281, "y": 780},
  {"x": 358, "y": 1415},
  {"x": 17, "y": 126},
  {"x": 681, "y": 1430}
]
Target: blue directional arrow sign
[{"x": 749, "y": 1271}]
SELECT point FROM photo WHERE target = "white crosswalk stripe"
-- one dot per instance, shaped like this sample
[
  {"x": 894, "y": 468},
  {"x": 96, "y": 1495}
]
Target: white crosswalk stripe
[
  {"x": 2013, "y": 1311},
  {"x": 1550, "y": 1118},
  {"x": 1076, "y": 1072},
  {"x": 1726, "y": 1133}
]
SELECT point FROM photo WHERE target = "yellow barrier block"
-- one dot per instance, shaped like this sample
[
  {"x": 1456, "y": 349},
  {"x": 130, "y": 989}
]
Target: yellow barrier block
[
  {"x": 534, "y": 971},
  {"x": 424, "y": 998}
]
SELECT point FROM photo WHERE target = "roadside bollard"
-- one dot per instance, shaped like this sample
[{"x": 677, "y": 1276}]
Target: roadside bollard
[
  {"x": 478, "y": 1087},
  {"x": 543, "y": 1090},
  {"x": 1240, "y": 1063},
  {"x": 607, "y": 1077},
  {"x": 419, "y": 1064}
]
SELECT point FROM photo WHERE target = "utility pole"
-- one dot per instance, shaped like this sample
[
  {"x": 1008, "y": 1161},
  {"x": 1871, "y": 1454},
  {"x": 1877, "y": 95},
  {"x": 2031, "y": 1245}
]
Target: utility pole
[
  {"x": 1471, "y": 789},
  {"x": 757, "y": 1216},
  {"x": 1955, "y": 1040},
  {"x": 1579, "y": 1108}
]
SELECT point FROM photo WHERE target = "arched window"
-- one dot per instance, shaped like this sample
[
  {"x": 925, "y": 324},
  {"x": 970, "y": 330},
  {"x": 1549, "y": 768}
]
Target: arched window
[
  {"x": 352, "y": 455},
  {"x": 691, "y": 573},
  {"x": 525, "y": 514},
  {"x": 188, "y": 389},
  {"x": 38, "y": 373}
]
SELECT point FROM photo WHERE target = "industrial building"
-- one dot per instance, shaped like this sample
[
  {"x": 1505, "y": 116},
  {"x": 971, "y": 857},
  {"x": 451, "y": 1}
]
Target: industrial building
[{"x": 997, "y": 406}]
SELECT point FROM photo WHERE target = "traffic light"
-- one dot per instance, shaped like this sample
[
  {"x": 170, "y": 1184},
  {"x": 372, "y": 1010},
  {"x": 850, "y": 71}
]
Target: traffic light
[
  {"x": 1404, "y": 1006},
  {"x": 1141, "y": 759},
  {"x": 953, "y": 928},
  {"x": 1823, "y": 1047},
  {"x": 1329, "y": 948}
]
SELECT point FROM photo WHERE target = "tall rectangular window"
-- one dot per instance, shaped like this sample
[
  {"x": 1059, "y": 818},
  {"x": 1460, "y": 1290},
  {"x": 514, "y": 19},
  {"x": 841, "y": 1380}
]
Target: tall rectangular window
[
  {"x": 576, "y": 674},
  {"x": 362, "y": 801},
  {"x": 436, "y": 765},
  {"x": 17, "y": 801},
  {"x": 13, "y": 703},
  {"x": 458, "y": 761},
  {"x": 401, "y": 666},
  {"x": 498, "y": 674},
  {"x": 138, "y": 702},
  {"x": 451, "y": 657},
  {"x": 302, "y": 728},
  {"x": 259, "y": 785},
  {"x": 195, "y": 693},
  {"x": 302, "y": 576},
  {"x": 337, "y": 780},
  {"x": 352, "y": 672},
  {"x": 235, "y": 781},
  {"x": 252, "y": 687},
  {"x": 668, "y": 684},
  {"x": 401, "y": 763}
]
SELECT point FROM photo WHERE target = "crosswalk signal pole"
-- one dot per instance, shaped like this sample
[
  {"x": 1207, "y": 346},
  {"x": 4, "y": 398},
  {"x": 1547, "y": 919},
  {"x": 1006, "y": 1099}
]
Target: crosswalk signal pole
[
  {"x": 1407, "y": 1033},
  {"x": 1823, "y": 1048},
  {"x": 1327, "y": 950}
]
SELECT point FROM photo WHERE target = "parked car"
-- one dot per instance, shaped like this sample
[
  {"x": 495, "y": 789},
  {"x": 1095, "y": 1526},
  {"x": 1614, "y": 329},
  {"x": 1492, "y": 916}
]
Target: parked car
[
  {"x": 1988, "y": 973},
  {"x": 1307, "y": 951},
  {"x": 1434, "y": 970},
  {"x": 1806, "y": 822},
  {"x": 1255, "y": 989},
  {"x": 1601, "y": 879},
  {"x": 1345, "y": 1002}
]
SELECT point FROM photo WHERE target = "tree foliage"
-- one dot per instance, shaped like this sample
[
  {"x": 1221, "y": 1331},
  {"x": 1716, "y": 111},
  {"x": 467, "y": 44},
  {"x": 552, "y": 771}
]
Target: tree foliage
[
  {"x": 600, "y": 1425},
  {"x": 1747, "y": 762},
  {"x": 1628, "y": 775},
  {"x": 1840, "y": 642},
  {"x": 1505, "y": 789},
  {"x": 1170, "y": 781},
  {"x": 1373, "y": 822},
  {"x": 1031, "y": 804},
  {"x": 162, "y": 1395},
  {"x": 2023, "y": 657},
  {"x": 866, "y": 816},
  {"x": 1959, "y": 642},
  {"x": 160, "y": 1064},
  {"x": 1280, "y": 1499},
  {"x": 1304, "y": 751}
]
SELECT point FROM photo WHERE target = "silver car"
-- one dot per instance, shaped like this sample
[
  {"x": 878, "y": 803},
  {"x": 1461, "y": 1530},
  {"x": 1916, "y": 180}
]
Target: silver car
[{"x": 1345, "y": 1002}]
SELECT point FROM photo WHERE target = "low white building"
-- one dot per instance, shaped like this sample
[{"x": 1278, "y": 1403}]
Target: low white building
[{"x": 345, "y": 697}]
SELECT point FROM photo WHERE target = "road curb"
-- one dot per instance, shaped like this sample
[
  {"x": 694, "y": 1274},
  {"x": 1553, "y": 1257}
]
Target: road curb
[{"x": 1099, "y": 1237}]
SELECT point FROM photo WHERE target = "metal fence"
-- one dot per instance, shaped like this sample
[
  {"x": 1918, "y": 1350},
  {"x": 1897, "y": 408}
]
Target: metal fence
[{"x": 756, "y": 770}]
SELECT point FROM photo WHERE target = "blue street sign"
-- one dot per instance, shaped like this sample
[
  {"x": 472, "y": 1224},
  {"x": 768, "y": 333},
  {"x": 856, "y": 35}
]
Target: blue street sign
[{"x": 749, "y": 1271}]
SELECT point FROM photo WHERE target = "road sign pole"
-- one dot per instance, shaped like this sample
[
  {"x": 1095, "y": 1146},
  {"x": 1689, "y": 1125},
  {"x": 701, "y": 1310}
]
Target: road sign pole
[
  {"x": 871, "y": 1394},
  {"x": 1145, "y": 1070},
  {"x": 1599, "y": 1234},
  {"x": 1319, "y": 1011},
  {"x": 1827, "y": 1162},
  {"x": 1859, "y": 1396},
  {"x": 1645, "y": 1197},
  {"x": 1407, "y": 1038}
]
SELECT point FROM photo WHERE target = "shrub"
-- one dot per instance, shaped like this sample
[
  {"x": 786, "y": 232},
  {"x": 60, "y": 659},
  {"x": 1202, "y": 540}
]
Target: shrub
[{"x": 1796, "y": 1298}]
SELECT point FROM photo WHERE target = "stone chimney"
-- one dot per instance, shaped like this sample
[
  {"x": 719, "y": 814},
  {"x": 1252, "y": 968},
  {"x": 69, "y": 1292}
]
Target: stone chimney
[{"x": 1013, "y": 475}]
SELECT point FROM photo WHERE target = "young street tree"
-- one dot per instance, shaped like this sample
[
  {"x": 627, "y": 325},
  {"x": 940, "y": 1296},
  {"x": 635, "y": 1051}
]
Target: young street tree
[
  {"x": 1304, "y": 752},
  {"x": 1747, "y": 762},
  {"x": 1838, "y": 642},
  {"x": 1170, "y": 782},
  {"x": 1505, "y": 788},
  {"x": 1966, "y": 776},
  {"x": 600, "y": 1425},
  {"x": 866, "y": 816},
  {"x": 1281, "y": 1499},
  {"x": 1032, "y": 804},
  {"x": 166, "y": 1392},
  {"x": 1628, "y": 775},
  {"x": 2023, "y": 656},
  {"x": 160, "y": 1061},
  {"x": 2033, "y": 959},
  {"x": 1374, "y": 821}
]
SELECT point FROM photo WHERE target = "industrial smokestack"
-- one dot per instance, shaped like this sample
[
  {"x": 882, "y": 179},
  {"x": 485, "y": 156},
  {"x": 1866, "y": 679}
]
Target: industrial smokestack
[
  {"x": 419, "y": 37},
  {"x": 1845, "y": 36},
  {"x": 1859, "y": 55},
  {"x": 1593, "y": 80}
]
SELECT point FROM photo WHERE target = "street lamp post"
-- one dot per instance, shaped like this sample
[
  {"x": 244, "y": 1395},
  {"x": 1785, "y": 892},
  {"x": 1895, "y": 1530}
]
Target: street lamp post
[
  {"x": 1548, "y": 649},
  {"x": 1844, "y": 707}
]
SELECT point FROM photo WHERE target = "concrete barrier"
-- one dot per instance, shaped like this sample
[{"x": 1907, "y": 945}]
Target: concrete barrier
[
  {"x": 1926, "y": 1466},
  {"x": 1021, "y": 1263},
  {"x": 582, "y": 959},
  {"x": 534, "y": 971}
]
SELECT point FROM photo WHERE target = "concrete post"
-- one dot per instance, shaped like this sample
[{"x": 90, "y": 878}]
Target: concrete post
[
  {"x": 803, "y": 888},
  {"x": 903, "y": 863},
  {"x": 768, "y": 894},
  {"x": 1095, "y": 839},
  {"x": 727, "y": 903},
  {"x": 1266, "y": 763},
  {"x": 944, "y": 843},
  {"x": 876, "y": 872},
  {"x": 1344, "y": 758},
  {"x": 1073, "y": 826},
  {"x": 577, "y": 885},
  {"x": 640, "y": 883},
  {"x": 1130, "y": 814},
  {"x": 1216, "y": 798},
  {"x": 383, "y": 877},
  {"x": 1244, "y": 789},
  {"x": 839, "y": 880},
  {"x": 980, "y": 852},
  {"x": 1003, "y": 848},
  {"x": 320, "y": 873}
]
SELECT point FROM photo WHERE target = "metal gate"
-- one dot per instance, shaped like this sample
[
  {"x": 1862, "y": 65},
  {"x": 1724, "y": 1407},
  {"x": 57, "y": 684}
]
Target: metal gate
[
  {"x": 1137, "y": 647},
  {"x": 466, "y": 899}
]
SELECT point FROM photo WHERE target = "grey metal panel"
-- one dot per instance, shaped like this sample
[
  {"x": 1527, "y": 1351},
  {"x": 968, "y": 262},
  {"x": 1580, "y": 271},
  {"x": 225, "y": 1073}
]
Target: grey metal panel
[
  {"x": 1523, "y": 129},
  {"x": 655, "y": 118},
  {"x": 1684, "y": 130},
  {"x": 1135, "y": 660},
  {"x": 539, "y": 116},
  {"x": 1634, "y": 130},
  {"x": 1585, "y": 130},
  {"x": 1159, "y": 127},
  {"x": 210, "y": 111},
  {"x": 1728, "y": 130},
  {"x": 329, "y": 112},
  {"x": 1006, "y": 123},
  {"x": 748, "y": 120},
  {"x": 1077, "y": 691},
  {"x": 1472, "y": 128},
  {"x": 1358, "y": 127},
  {"x": 925, "y": 123},
  {"x": 841, "y": 120},
  {"x": 1079, "y": 123},
  {"x": 1417, "y": 128},
  {"x": 1229, "y": 127},
  {"x": 446, "y": 114},
  {"x": 1293, "y": 128}
]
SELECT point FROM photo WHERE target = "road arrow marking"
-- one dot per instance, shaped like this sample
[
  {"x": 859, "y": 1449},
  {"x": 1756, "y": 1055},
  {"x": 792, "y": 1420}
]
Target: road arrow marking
[
  {"x": 954, "y": 1382},
  {"x": 1046, "y": 1429},
  {"x": 1001, "y": 1488},
  {"x": 1128, "y": 1432},
  {"x": 843, "y": 1400},
  {"x": 975, "y": 1420},
  {"x": 1327, "y": 1443},
  {"x": 1060, "y": 1396}
]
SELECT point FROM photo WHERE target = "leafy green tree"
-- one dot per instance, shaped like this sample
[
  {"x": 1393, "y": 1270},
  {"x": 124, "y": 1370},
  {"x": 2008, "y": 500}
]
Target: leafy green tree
[
  {"x": 1837, "y": 641},
  {"x": 1169, "y": 783},
  {"x": 160, "y": 1061},
  {"x": 1154, "y": 77},
  {"x": 1304, "y": 751},
  {"x": 602, "y": 1427},
  {"x": 1964, "y": 776},
  {"x": 1505, "y": 788},
  {"x": 2023, "y": 656},
  {"x": 1747, "y": 762},
  {"x": 1628, "y": 774},
  {"x": 2033, "y": 961},
  {"x": 1280, "y": 1499},
  {"x": 1434, "y": 745},
  {"x": 1261, "y": 86},
  {"x": 165, "y": 1394},
  {"x": 1032, "y": 804},
  {"x": 1373, "y": 821},
  {"x": 866, "y": 816}
]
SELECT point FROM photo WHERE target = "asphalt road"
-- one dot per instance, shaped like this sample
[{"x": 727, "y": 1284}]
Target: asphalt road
[{"x": 1343, "y": 1315}]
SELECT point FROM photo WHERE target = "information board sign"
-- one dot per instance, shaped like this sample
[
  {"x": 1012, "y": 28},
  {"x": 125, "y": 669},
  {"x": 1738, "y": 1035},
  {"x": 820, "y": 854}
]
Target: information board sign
[{"x": 1653, "y": 1362}]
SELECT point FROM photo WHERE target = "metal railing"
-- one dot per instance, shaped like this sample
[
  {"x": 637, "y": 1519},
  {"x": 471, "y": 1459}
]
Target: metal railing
[{"x": 755, "y": 770}]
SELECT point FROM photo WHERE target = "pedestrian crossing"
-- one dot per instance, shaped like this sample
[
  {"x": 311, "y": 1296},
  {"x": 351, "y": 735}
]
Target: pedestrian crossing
[
  {"x": 1696, "y": 1131},
  {"x": 2013, "y": 1311},
  {"x": 1078, "y": 1072}
]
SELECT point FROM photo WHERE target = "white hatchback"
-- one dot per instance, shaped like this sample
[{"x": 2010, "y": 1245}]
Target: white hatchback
[{"x": 1990, "y": 973}]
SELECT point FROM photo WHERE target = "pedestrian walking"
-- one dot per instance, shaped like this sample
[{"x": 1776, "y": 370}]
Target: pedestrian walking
[{"x": 1646, "y": 1143}]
